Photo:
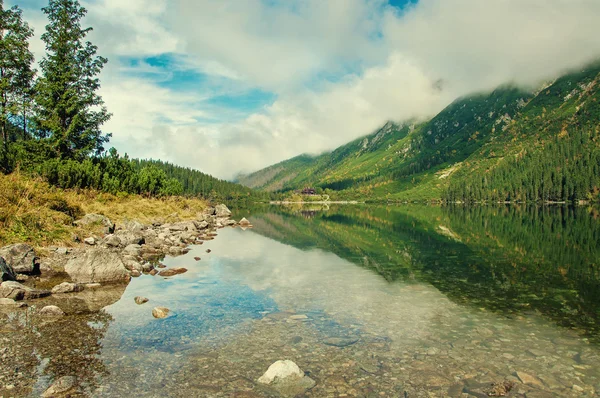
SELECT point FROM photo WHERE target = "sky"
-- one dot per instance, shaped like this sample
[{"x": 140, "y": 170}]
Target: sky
[{"x": 232, "y": 86}]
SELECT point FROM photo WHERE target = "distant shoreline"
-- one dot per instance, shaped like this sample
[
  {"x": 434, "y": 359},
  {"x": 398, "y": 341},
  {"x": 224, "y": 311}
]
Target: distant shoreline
[{"x": 322, "y": 202}]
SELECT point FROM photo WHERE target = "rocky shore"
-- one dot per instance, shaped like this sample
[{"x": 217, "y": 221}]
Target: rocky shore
[{"x": 101, "y": 261}]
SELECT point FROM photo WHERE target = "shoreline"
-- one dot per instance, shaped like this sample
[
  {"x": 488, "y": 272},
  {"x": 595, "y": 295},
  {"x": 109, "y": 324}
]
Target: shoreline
[{"x": 101, "y": 261}]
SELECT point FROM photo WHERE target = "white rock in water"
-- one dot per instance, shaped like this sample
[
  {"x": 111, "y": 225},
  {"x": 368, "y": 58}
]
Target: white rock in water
[
  {"x": 280, "y": 371},
  {"x": 160, "y": 312}
]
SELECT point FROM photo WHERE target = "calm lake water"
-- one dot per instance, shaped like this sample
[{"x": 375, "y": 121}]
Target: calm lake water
[{"x": 425, "y": 301}]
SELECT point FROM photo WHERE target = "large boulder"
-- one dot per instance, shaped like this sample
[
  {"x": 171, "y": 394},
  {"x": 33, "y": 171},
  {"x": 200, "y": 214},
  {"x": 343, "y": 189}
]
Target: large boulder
[
  {"x": 97, "y": 266},
  {"x": 6, "y": 272},
  {"x": 287, "y": 378},
  {"x": 222, "y": 211},
  {"x": 134, "y": 226},
  {"x": 17, "y": 291},
  {"x": 96, "y": 219},
  {"x": 21, "y": 258}
]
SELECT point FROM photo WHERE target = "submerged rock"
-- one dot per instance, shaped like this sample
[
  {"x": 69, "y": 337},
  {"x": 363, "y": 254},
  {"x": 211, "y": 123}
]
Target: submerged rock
[
  {"x": 51, "y": 310},
  {"x": 97, "y": 265},
  {"x": 172, "y": 271},
  {"x": 160, "y": 312},
  {"x": 341, "y": 341},
  {"x": 286, "y": 378},
  {"x": 17, "y": 291},
  {"x": 64, "y": 387},
  {"x": 139, "y": 300},
  {"x": 21, "y": 258},
  {"x": 67, "y": 287},
  {"x": 529, "y": 379}
]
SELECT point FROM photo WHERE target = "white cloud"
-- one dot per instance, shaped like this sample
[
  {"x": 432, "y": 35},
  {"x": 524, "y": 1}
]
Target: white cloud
[{"x": 381, "y": 65}]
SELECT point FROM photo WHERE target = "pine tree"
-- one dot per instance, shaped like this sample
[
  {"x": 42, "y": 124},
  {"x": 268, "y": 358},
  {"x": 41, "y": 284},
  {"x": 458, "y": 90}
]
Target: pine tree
[
  {"x": 70, "y": 110},
  {"x": 16, "y": 71}
]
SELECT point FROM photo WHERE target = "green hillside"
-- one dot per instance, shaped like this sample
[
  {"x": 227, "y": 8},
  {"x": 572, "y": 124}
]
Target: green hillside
[{"x": 509, "y": 144}]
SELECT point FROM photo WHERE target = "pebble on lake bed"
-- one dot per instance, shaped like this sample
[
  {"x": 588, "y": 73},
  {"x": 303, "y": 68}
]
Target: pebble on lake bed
[
  {"x": 139, "y": 300},
  {"x": 160, "y": 312}
]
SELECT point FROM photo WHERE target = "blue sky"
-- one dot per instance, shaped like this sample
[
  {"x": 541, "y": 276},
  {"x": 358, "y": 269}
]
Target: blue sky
[{"x": 230, "y": 86}]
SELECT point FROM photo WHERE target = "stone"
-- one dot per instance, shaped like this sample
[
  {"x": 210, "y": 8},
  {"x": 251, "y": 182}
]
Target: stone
[
  {"x": 281, "y": 370},
  {"x": 134, "y": 226},
  {"x": 111, "y": 241},
  {"x": 529, "y": 379},
  {"x": 244, "y": 222},
  {"x": 130, "y": 238},
  {"x": 153, "y": 272},
  {"x": 62, "y": 251},
  {"x": 139, "y": 300},
  {"x": 51, "y": 310},
  {"x": 21, "y": 257},
  {"x": 208, "y": 250},
  {"x": 222, "y": 211},
  {"x": 577, "y": 388},
  {"x": 286, "y": 378},
  {"x": 90, "y": 241},
  {"x": 6, "y": 302},
  {"x": 147, "y": 267},
  {"x": 135, "y": 273},
  {"x": 341, "y": 341},
  {"x": 298, "y": 317},
  {"x": 201, "y": 225},
  {"x": 17, "y": 291},
  {"x": 197, "y": 258},
  {"x": 132, "y": 250},
  {"x": 67, "y": 287},
  {"x": 97, "y": 266},
  {"x": 160, "y": 312},
  {"x": 96, "y": 219},
  {"x": 64, "y": 387},
  {"x": 172, "y": 271},
  {"x": 6, "y": 271},
  {"x": 22, "y": 277}
]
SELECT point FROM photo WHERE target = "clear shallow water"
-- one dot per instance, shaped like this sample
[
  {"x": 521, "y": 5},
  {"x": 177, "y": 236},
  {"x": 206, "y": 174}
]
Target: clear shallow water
[{"x": 441, "y": 302}]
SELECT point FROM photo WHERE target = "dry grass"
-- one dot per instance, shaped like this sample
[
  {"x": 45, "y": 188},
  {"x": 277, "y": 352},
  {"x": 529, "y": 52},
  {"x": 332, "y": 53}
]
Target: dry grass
[{"x": 34, "y": 212}]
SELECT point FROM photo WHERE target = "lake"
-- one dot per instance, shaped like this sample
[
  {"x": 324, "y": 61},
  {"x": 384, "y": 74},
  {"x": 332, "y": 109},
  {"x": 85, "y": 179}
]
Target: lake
[{"x": 370, "y": 301}]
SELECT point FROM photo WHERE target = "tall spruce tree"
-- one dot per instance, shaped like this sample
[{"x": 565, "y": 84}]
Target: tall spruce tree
[
  {"x": 16, "y": 71},
  {"x": 70, "y": 111}
]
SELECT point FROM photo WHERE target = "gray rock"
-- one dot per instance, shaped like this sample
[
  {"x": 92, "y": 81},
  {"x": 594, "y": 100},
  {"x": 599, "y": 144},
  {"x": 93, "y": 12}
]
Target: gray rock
[
  {"x": 63, "y": 251},
  {"x": 51, "y": 310},
  {"x": 201, "y": 225},
  {"x": 139, "y": 300},
  {"x": 90, "y": 241},
  {"x": 111, "y": 241},
  {"x": 210, "y": 211},
  {"x": 222, "y": 211},
  {"x": 130, "y": 238},
  {"x": 341, "y": 341},
  {"x": 132, "y": 264},
  {"x": 67, "y": 287},
  {"x": 132, "y": 250},
  {"x": 160, "y": 312},
  {"x": 21, "y": 258},
  {"x": 63, "y": 387},
  {"x": 134, "y": 226},
  {"x": 17, "y": 291},
  {"x": 6, "y": 302},
  {"x": 97, "y": 266},
  {"x": 6, "y": 271}
]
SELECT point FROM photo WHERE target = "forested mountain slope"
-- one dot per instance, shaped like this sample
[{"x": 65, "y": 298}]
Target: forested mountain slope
[{"x": 506, "y": 145}]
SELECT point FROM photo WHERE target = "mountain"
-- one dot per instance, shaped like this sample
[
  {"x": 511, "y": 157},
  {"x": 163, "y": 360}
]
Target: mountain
[{"x": 510, "y": 144}]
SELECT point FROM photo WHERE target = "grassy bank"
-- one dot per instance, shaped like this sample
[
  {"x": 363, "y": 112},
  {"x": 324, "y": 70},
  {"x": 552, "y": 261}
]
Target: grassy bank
[{"x": 34, "y": 212}]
